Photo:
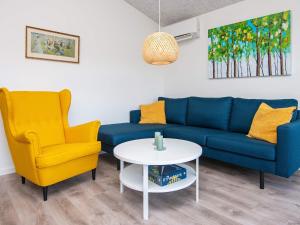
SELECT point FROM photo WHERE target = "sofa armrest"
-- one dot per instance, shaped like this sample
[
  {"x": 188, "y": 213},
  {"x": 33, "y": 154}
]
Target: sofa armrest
[
  {"x": 135, "y": 116},
  {"x": 288, "y": 149},
  {"x": 87, "y": 132}
]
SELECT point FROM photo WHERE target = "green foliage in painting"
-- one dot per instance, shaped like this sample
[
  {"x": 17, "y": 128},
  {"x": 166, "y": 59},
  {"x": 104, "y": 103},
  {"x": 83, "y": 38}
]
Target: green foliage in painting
[{"x": 256, "y": 47}]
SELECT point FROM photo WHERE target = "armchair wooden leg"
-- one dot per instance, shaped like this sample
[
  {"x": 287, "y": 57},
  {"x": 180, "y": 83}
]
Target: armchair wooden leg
[
  {"x": 261, "y": 180},
  {"x": 45, "y": 193},
  {"x": 94, "y": 174},
  {"x": 23, "y": 180}
]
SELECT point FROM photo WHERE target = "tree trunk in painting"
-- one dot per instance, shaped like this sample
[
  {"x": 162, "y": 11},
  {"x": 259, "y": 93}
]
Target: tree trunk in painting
[
  {"x": 269, "y": 54},
  {"x": 214, "y": 69},
  {"x": 281, "y": 55},
  {"x": 280, "y": 48},
  {"x": 234, "y": 67},
  {"x": 227, "y": 66},
  {"x": 257, "y": 53}
]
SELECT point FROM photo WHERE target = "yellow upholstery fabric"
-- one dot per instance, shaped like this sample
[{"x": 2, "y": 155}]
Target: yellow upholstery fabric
[
  {"x": 266, "y": 120},
  {"x": 58, "y": 154},
  {"x": 153, "y": 113},
  {"x": 44, "y": 148}
]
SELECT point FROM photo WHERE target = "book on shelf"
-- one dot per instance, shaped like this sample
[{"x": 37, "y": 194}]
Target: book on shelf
[{"x": 165, "y": 175}]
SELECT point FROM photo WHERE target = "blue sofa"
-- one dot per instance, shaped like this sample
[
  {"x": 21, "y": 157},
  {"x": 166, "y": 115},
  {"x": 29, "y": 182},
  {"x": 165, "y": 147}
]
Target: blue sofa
[{"x": 220, "y": 126}]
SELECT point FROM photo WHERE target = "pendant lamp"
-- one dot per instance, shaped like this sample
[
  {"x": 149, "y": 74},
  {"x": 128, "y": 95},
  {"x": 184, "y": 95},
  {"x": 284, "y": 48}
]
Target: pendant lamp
[{"x": 160, "y": 48}]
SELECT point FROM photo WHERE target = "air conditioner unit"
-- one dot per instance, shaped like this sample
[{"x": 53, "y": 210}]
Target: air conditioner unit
[{"x": 185, "y": 30}]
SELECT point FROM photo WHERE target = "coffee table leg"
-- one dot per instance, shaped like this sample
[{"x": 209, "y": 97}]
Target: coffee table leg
[
  {"x": 197, "y": 179},
  {"x": 145, "y": 192},
  {"x": 121, "y": 170}
]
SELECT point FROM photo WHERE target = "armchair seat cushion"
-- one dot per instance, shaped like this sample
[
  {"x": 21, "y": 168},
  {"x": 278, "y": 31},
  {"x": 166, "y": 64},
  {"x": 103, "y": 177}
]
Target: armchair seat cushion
[
  {"x": 241, "y": 144},
  {"x": 59, "y": 154}
]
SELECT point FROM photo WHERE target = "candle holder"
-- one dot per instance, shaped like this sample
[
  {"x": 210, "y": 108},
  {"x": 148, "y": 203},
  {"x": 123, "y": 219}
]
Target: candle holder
[
  {"x": 160, "y": 143},
  {"x": 156, "y": 135}
]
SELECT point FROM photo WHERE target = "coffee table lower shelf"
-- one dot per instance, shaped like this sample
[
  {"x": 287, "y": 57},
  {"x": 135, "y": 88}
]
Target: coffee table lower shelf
[{"x": 132, "y": 177}]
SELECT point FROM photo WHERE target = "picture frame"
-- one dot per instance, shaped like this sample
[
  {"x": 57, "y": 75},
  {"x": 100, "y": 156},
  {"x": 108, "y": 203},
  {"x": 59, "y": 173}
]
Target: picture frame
[
  {"x": 257, "y": 47},
  {"x": 51, "y": 45}
]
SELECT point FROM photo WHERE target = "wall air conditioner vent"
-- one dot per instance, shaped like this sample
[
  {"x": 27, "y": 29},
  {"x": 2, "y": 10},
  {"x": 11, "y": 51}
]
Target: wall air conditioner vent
[
  {"x": 187, "y": 36},
  {"x": 185, "y": 30}
]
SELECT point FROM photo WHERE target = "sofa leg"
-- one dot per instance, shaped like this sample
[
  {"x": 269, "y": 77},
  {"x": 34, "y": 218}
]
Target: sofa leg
[
  {"x": 118, "y": 164},
  {"x": 94, "y": 174},
  {"x": 45, "y": 193},
  {"x": 23, "y": 180},
  {"x": 261, "y": 180}
]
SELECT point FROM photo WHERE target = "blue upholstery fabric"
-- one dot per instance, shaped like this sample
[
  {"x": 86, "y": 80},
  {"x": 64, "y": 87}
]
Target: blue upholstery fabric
[
  {"x": 242, "y": 145},
  {"x": 107, "y": 148},
  {"x": 175, "y": 109},
  {"x": 240, "y": 160},
  {"x": 209, "y": 112},
  {"x": 194, "y": 134},
  {"x": 115, "y": 134},
  {"x": 243, "y": 111},
  {"x": 288, "y": 149},
  {"x": 135, "y": 116}
]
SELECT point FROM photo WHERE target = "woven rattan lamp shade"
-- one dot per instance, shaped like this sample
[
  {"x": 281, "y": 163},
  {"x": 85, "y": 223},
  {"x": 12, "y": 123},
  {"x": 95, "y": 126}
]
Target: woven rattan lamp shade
[{"x": 160, "y": 48}]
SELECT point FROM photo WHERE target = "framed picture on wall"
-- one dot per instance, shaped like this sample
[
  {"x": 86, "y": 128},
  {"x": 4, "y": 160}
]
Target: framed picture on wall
[
  {"x": 51, "y": 45},
  {"x": 259, "y": 47}
]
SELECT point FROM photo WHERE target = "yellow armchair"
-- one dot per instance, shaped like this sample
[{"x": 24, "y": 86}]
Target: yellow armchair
[{"x": 44, "y": 148}]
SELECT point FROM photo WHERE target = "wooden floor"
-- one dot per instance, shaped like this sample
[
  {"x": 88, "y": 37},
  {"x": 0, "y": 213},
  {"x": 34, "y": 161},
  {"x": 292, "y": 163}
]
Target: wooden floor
[{"x": 228, "y": 195}]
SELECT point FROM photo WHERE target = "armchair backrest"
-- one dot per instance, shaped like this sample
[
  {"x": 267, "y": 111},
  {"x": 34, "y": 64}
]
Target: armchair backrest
[{"x": 42, "y": 112}]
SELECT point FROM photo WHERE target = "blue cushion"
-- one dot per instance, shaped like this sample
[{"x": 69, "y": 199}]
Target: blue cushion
[
  {"x": 209, "y": 112},
  {"x": 194, "y": 134},
  {"x": 243, "y": 111},
  {"x": 135, "y": 116},
  {"x": 175, "y": 109},
  {"x": 241, "y": 144},
  {"x": 115, "y": 134}
]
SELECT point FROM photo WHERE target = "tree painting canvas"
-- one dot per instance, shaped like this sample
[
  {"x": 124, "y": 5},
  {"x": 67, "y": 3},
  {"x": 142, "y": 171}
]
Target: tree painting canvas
[{"x": 259, "y": 47}]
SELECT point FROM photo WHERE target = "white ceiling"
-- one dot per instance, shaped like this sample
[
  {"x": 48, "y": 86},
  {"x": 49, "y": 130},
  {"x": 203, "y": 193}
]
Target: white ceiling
[{"x": 173, "y": 11}]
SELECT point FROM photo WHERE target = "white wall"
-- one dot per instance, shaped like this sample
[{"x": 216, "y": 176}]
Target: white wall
[
  {"x": 189, "y": 75},
  {"x": 111, "y": 78}
]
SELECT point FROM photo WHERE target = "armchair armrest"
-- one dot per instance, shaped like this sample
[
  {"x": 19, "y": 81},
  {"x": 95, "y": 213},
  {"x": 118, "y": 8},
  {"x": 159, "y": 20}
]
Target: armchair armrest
[
  {"x": 288, "y": 149},
  {"x": 27, "y": 137},
  {"x": 87, "y": 132},
  {"x": 135, "y": 116}
]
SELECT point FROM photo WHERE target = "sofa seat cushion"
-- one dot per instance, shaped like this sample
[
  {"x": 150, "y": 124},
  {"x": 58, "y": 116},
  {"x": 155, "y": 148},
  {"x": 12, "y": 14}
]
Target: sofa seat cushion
[
  {"x": 58, "y": 154},
  {"x": 194, "y": 134},
  {"x": 115, "y": 134},
  {"x": 209, "y": 112},
  {"x": 243, "y": 145}
]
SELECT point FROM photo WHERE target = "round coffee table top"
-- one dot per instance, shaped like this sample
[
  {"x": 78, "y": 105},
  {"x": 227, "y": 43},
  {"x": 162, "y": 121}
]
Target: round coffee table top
[{"x": 142, "y": 152}]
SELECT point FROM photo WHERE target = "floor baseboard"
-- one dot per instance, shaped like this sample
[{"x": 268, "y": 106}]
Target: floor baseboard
[{"x": 5, "y": 171}]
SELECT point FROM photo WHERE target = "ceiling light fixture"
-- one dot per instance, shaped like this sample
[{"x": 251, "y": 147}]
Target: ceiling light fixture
[{"x": 160, "y": 48}]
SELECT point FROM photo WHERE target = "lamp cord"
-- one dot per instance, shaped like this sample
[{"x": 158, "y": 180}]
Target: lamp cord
[{"x": 158, "y": 15}]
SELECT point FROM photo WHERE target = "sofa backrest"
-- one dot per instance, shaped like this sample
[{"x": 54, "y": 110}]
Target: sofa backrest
[
  {"x": 176, "y": 109},
  {"x": 209, "y": 112},
  {"x": 243, "y": 111}
]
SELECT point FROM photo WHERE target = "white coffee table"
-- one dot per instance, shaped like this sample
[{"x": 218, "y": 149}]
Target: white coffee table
[{"x": 141, "y": 154}]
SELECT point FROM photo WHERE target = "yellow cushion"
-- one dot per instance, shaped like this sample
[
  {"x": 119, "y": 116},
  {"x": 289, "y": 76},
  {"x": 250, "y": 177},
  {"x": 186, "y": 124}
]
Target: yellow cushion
[
  {"x": 58, "y": 154},
  {"x": 153, "y": 113},
  {"x": 266, "y": 120}
]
